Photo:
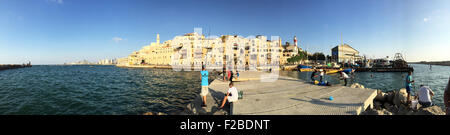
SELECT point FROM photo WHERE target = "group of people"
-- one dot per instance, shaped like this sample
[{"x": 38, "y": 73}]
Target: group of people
[
  {"x": 231, "y": 95},
  {"x": 425, "y": 95}
]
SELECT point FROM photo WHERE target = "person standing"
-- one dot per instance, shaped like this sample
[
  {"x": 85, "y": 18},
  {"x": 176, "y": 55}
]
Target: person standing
[
  {"x": 447, "y": 98},
  {"x": 231, "y": 76},
  {"x": 345, "y": 77},
  {"x": 322, "y": 73},
  {"x": 231, "y": 96},
  {"x": 204, "y": 77},
  {"x": 408, "y": 85},
  {"x": 228, "y": 74}
]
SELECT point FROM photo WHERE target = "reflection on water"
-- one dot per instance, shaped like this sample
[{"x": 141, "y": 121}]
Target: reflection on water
[
  {"x": 436, "y": 78},
  {"x": 95, "y": 90}
]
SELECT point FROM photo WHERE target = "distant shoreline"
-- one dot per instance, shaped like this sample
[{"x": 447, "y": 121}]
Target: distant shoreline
[{"x": 441, "y": 63}]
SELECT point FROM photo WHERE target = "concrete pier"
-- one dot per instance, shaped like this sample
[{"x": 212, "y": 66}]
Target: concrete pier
[{"x": 287, "y": 96}]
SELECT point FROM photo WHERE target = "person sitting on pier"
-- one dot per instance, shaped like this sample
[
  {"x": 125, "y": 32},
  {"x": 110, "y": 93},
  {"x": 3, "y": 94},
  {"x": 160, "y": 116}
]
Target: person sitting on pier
[
  {"x": 231, "y": 96},
  {"x": 408, "y": 85},
  {"x": 425, "y": 95},
  {"x": 344, "y": 76}
]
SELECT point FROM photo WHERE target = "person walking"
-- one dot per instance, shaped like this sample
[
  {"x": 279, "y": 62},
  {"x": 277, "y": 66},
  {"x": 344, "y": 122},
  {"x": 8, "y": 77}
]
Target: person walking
[{"x": 204, "y": 77}]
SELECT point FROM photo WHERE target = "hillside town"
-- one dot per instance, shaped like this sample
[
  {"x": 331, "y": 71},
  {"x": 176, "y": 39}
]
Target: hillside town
[{"x": 194, "y": 49}]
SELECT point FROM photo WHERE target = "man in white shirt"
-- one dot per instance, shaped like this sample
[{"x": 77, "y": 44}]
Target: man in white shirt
[
  {"x": 231, "y": 96},
  {"x": 321, "y": 74},
  {"x": 425, "y": 94}
]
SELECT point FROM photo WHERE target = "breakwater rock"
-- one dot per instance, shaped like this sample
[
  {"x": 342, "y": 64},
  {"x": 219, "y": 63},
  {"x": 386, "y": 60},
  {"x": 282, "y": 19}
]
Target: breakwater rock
[{"x": 395, "y": 103}]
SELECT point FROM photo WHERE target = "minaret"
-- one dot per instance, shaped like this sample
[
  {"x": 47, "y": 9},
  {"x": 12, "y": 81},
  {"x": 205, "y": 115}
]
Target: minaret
[{"x": 157, "y": 38}]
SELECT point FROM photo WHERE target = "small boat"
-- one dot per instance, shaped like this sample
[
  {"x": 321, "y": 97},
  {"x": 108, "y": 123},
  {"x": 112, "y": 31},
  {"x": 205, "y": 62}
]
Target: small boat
[
  {"x": 328, "y": 71},
  {"x": 303, "y": 66}
]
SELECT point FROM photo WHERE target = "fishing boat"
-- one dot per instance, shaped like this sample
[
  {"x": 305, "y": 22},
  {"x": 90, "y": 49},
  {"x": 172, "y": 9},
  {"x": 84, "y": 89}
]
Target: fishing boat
[{"x": 328, "y": 71}]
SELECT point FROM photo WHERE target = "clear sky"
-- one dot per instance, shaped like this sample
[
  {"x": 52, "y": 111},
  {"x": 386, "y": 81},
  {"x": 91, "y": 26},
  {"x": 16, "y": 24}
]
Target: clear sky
[{"x": 58, "y": 31}]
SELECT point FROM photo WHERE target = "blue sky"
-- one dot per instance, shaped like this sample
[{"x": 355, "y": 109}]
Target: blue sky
[{"x": 58, "y": 31}]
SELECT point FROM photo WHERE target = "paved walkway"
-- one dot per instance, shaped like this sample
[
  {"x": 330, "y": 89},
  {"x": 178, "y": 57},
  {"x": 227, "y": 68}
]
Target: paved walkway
[{"x": 288, "y": 96}]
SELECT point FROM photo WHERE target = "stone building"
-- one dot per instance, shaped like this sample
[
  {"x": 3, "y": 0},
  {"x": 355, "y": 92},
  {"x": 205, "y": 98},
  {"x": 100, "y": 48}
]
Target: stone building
[{"x": 344, "y": 54}]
